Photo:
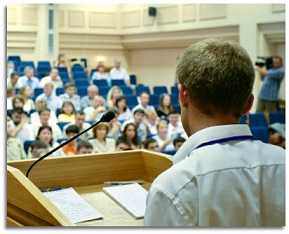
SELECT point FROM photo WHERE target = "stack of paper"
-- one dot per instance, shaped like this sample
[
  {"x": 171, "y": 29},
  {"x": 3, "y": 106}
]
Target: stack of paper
[
  {"x": 131, "y": 197},
  {"x": 72, "y": 205}
]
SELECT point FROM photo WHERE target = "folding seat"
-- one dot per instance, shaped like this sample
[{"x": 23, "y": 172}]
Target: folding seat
[
  {"x": 100, "y": 82},
  {"x": 277, "y": 117},
  {"x": 131, "y": 101},
  {"x": 142, "y": 88},
  {"x": 175, "y": 99},
  {"x": 174, "y": 90},
  {"x": 133, "y": 79},
  {"x": 26, "y": 145},
  {"x": 37, "y": 92},
  {"x": 257, "y": 120},
  {"x": 154, "y": 100},
  {"x": 126, "y": 90},
  {"x": 82, "y": 91},
  {"x": 118, "y": 82},
  {"x": 59, "y": 91},
  {"x": 158, "y": 90},
  {"x": 260, "y": 133},
  {"x": 62, "y": 124}
]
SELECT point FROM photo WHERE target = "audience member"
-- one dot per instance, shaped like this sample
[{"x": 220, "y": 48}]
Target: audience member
[
  {"x": 151, "y": 120},
  {"x": 39, "y": 106},
  {"x": 151, "y": 144},
  {"x": 70, "y": 149},
  {"x": 163, "y": 138},
  {"x": 178, "y": 142},
  {"x": 84, "y": 147},
  {"x": 129, "y": 134},
  {"x": 165, "y": 106},
  {"x": 142, "y": 128},
  {"x": 144, "y": 100},
  {"x": 53, "y": 101},
  {"x": 26, "y": 93},
  {"x": 10, "y": 94},
  {"x": 28, "y": 79},
  {"x": 12, "y": 81},
  {"x": 101, "y": 143},
  {"x": 100, "y": 74},
  {"x": 86, "y": 101},
  {"x": 115, "y": 129},
  {"x": 175, "y": 127},
  {"x": 119, "y": 73},
  {"x": 277, "y": 134},
  {"x": 38, "y": 149},
  {"x": 67, "y": 112},
  {"x": 112, "y": 95},
  {"x": 70, "y": 95},
  {"x": 122, "y": 145},
  {"x": 17, "y": 102},
  {"x": 53, "y": 78},
  {"x": 122, "y": 109},
  {"x": 92, "y": 113}
]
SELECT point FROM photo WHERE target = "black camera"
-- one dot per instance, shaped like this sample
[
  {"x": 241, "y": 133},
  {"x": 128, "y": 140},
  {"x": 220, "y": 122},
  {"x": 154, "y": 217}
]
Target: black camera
[{"x": 264, "y": 62}]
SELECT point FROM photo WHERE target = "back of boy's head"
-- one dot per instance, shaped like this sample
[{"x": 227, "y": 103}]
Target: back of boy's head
[
  {"x": 72, "y": 129},
  {"x": 38, "y": 145},
  {"x": 178, "y": 140},
  {"x": 147, "y": 142},
  {"x": 84, "y": 144}
]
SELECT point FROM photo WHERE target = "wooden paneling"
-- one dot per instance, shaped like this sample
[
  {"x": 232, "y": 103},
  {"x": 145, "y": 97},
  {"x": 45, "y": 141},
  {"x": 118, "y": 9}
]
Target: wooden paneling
[
  {"x": 29, "y": 16},
  {"x": 168, "y": 15},
  {"x": 189, "y": 12},
  {"x": 131, "y": 19},
  {"x": 212, "y": 11},
  {"x": 76, "y": 19},
  {"x": 278, "y": 8},
  {"x": 102, "y": 20}
]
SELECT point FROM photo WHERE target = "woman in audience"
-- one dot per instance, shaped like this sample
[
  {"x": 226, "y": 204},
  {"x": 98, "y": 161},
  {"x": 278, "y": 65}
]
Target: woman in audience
[
  {"x": 41, "y": 105},
  {"x": 67, "y": 113},
  {"x": 129, "y": 134},
  {"x": 100, "y": 74},
  {"x": 101, "y": 143},
  {"x": 112, "y": 95},
  {"x": 165, "y": 106},
  {"x": 26, "y": 93},
  {"x": 163, "y": 139},
  {"x": 122, "y": 109},
  {"x": 17, "y": 102}
]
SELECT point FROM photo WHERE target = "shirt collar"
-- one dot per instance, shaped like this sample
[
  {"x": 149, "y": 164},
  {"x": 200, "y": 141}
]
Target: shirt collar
[{"x": 210, "y": 134}]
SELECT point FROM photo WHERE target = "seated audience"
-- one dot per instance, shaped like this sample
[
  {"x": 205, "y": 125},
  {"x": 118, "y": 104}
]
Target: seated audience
[
  {"x": 84, "y": 147},
  {"x": 12, "y": 81},
  {"x": 48, "y": 95},
  {"x": 163, "y": 138},
  {"x": 144, "y": 100},
  {"x": 101, "y": 143},
  {"x": 10, "y": 94},
  {"x": 100, "y": 74},
  {"x": 112, "y": 95},
  {"x": 28, "y": 79},
  {"x": 39, "y": 106},
  {"x": 165, "y": 106},
  {"x": 23, "y": 130},
  {"x": 142, "y": 128},
  {"x": 14, "y": 150},
  {"x": 26, "y": 93},
  {"x": 17, "y": 102},
  {"x": 38, "y": 149},
  {"x": 277, "y": 134},
  {"x": 44, "y": 117},
  {"x": 151, "y": 144},
  {"x": 62, "y": 61},
  {"x": 67, "y": 112},
  {"x": 86, "y": 101},
  {"x": 129, "y": 134},
  {"x": 151, "y": 120},
  {"x": 92, "y": 113},
  {"x": 122, "y": 145},
  {"x": 175, "y": 127},
  {"x": 53, "y": 78},
  {"x": 178, "y": 142},
  {"x": 122, "y": 109},
  {"x": 119, "y": 73},
  {"x": 115, "y": 129},
  {"x": 70, "y": 149},
  {"x": 70, "y": 95}
]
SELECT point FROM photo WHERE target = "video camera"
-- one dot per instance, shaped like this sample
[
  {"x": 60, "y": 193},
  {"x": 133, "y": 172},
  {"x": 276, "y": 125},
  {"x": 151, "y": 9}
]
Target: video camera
[{"x": 264, "y": 61}]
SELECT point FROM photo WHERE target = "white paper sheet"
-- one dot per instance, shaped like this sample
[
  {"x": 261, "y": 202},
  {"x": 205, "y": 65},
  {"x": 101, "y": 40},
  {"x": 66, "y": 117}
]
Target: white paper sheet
[
  {"x": 131, "y": 197},
  {"x": 72, "y": 205}
]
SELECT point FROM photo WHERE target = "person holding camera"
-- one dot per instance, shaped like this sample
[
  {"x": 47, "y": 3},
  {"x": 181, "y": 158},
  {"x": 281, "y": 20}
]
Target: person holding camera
[{"x": 272, "y": 78}]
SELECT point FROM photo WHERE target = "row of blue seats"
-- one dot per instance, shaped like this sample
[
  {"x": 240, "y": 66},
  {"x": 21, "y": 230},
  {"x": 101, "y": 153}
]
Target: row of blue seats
[{"x": 258, "y": 119}]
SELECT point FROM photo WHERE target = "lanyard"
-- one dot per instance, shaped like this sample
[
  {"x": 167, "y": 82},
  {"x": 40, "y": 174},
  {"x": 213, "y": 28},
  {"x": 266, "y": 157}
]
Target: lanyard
[{"x": 223, "y": 140}]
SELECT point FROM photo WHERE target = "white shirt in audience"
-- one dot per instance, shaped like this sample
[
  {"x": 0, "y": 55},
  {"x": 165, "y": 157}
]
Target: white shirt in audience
[
  {"x": 47, "y": 79},
  {"x": 84, "y": 136},
  {"x": 147, "y": 108},
  {"x": 53, "y": 101},
  {"x": 100, "y": 76},
  {"x": 26, "y": 133},
  {"x": 56, "y": 131},
  {"x": 160, "y": 141},
  {"x": 24, "y": 81},
  {"x": 29, "y": 105},
  {"x": 34, "y": 118},
  {"x": 119, "y": 74},
  {"x": 102, "y": 147},
  {"x": 175, "y": 131}
]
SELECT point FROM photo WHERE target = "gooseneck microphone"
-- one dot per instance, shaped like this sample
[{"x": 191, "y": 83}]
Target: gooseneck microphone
[{"x": 106, "y": 117}]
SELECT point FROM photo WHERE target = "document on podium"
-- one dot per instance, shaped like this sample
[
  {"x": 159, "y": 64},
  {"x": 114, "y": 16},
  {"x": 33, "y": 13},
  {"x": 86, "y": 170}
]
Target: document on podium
[
  {"x": 73, "y": 206},
  {"x": 132, "y": 197}
]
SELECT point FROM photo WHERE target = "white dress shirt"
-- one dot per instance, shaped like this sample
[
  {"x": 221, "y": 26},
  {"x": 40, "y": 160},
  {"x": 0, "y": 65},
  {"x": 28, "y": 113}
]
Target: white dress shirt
[
  {"x": 56, "y": 83},
  {"x": 233, "y": 183},
  {"x": 23, "y": 81},
  {"x": 119, "y": 74}
]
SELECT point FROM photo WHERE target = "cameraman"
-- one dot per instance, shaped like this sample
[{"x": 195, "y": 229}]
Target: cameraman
[{"x": 272, "y": 78}]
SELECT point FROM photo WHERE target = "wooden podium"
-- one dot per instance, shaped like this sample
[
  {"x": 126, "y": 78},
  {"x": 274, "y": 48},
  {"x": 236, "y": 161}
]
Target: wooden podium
[{"x": 27, "y": 206}]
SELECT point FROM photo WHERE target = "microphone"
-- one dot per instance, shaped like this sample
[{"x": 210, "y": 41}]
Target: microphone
[{"x": 106, "y": 117}]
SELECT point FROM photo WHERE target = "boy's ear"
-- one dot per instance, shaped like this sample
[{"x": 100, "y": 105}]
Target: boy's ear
[
  {"x": 248, "y": 105},
  {"x": 183, "y": 95}
]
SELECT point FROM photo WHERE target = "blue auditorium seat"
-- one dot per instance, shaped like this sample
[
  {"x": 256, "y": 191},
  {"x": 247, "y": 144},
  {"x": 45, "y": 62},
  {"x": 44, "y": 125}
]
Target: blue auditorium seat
[
  {"x": 243, "y": 119},
  {"x": 37, "y": 92},
  {"x": 26, "y": 145},
  {"x": 132, "y": 78},
  {"x": 43, "y": 68},
  {"x": 174, "y": 90},
  {"x": 260, "y": 133},
  {"x": 64, "y": 76},
  {"x": 142, "y": 88},
  {"x": 277, "y": 117},
  {"x": 15, "y": 59},
  {"x": 62, "y": 124},
  {"x": 257, "y": 120},
  {"x": 27, "y": 63},
  {"x": 103, "y": 90},
  {"x": 154, "y": 100},
  {"x": 59, "y": 91},
  {"x": 158, "y": 90},
  {"x": 79, "y": 75},
  {"x": 92, "y": 71},
  {"x": 175, "y": 99},
  {"x": 77, "y": 67},
  {"x": 100, "y": 82},
  {"x": 22, "y": 65},
  {"x": 169, "y": 152},
  {"x": 177, "y": 108},
  {"x": 82, "y": 91},
  {"x": 126, "y": 90},
  {"x": 83, "y": 82},
  {"x": 62, "y": 69},
  {"x": 118, "y": 82},
  {"x": 131, "y": 101}
]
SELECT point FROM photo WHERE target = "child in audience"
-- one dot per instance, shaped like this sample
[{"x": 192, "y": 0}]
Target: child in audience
[
  {"x": 178, "y": 142},
  {"x": 122, "y": 145},
  {"x": 151, "y": 144},
  {"x": 112, "y": 95},
  {"x": 38, "y": 149},
  {"x": 84, "y": 147},
  {"x": 129, "y": 134},
  {"x": 165, "y": 106},
  {"x": 70, "y": 149},
  {"x": 67, "y": 113},
  {"x": 122, "y": 109},
  {"x": 277, "y": 134},
  {"x": 70, "y": 95},
  {"x": 101, "y": 143},
  {"x": 163, "y": 138},
  {"x": 26, "y": 93}
]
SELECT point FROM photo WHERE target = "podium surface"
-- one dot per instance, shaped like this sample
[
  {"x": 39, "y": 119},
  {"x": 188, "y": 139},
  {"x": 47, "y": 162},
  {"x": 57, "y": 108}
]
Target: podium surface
[{"x": 86, "y": 174}]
